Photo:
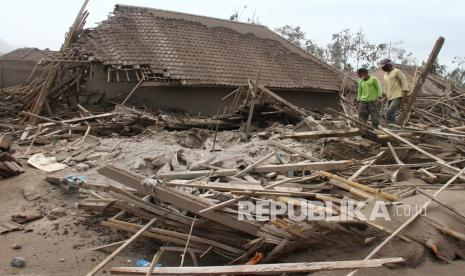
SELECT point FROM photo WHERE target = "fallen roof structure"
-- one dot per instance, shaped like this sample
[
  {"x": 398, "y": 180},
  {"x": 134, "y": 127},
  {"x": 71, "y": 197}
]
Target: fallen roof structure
[
  {"x": 198, "y": 50},
  {"x": 22, "y": 65},
  {"x": 32, "y": 54}
]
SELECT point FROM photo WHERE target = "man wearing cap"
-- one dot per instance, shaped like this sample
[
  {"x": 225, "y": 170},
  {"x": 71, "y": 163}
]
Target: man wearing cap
[
  {"x": 396, "y": 89},
  {"x": 369, "y": 91}
]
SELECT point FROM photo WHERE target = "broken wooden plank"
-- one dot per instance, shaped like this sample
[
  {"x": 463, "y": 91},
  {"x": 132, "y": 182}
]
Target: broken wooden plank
[
  {"x": 365, "y": 167},
  {"x": 362, "y": 187},
  {"x": 177, "y": 199},
  {"x": 178, "y": 235},
  {"x": 119, "y": 249},
  {"x": 253, "y": 98},
  {"x": 289, "y": 149},
  {"x": 440, "y": 162},
  {"x": 182, "y": 201},
  {"x": 322, "y": 133},
  {"x": 302, "y": 166},
  {"x": 447, "y": 206},
  {"x": 224, "y": 204},
  {"x": 257, "y": 269},
  {"x": 255, "y": 164},
  {"x": 195, "y": 174}
]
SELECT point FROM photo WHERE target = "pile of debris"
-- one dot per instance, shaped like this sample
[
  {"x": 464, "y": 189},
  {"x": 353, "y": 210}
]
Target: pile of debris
[
  {"x": 296, "y": 194},
  {"x": 57, "y": 87},
  {"x": 214, "y": 206},
  {"x": 9, "y": 166}
]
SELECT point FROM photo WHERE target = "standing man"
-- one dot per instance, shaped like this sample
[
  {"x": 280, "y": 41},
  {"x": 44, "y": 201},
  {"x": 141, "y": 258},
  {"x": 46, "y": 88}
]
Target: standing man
[
  {"x": 397, "y": 89},
  {"x": 369, "y": 92}
]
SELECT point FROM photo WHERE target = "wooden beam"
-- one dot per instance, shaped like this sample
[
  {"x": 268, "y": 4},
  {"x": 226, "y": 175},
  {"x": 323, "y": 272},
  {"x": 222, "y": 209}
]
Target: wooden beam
[
  {"x": 133, "y": 90},
  {"x": 195, "y": 174},
  {"x": 404, "y": 116},
  {"x": 255, "y": 164},
  {"x": 440, "y": 162},
  {"x": 178, "y": 200},
  {"x": 365, "y": 167},
  {"x": 253, "y": 98},
  {"x": 289, "y": 149},
  {"x": 185, "y": 237},
  {"x": 154, "y": 262},
  {"x": 258, "y": 269},
  {"x": 223, "y": 204},
  {"x": 362, "y": 187},
  {"x": 394, "y": 154},
  {"x": 440, "y": 203},
  {"x": 322, "y": 133},
  {"x": 119, "y": 249},
  {"x": 302, "y": 166}
]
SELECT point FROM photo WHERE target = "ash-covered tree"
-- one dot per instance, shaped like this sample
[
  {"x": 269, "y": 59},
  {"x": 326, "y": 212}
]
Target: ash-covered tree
[
  {"x": 438, "y": 68},
  {"x": 314, "y": 49},
  {"x": 458, "y": 73},
  {"x": 340, "y": 49},
  {"x": 293, "y": 34},
  {"x": 239, "y": 13}
]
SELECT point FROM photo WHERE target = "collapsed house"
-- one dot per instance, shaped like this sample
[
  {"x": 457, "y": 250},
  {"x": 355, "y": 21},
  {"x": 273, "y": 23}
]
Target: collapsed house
[
  {"x": 191, "y": 62},
  {"x": 21, "y": 65},
  {"x": 185, "y": 189}
]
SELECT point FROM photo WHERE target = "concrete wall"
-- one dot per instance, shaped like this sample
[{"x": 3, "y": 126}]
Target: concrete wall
[
  {"x": 14, "y": 72},
  {"x": 206, "y": 100}
]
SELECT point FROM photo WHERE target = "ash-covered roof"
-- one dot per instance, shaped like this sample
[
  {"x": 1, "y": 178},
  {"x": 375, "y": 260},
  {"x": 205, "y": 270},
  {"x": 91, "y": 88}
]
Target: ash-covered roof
[
  {"x": 31, "y": 54},
  {"x": 198, "y": 50}
]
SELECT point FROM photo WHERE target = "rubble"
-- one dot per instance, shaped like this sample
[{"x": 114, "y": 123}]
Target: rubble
[{"x": 205, "y": 185}]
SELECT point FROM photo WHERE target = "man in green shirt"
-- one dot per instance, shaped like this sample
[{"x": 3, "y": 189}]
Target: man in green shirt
[
  {"x": 369, "y": 91},
  {"x": 396, "y": 85}
]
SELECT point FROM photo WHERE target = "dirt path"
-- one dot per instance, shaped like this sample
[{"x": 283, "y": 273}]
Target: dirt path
[{"x": 56, "y": 247}]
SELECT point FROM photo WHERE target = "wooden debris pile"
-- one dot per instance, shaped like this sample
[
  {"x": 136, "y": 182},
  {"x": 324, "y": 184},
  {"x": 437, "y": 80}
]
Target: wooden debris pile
[
  {"x": 198, "y": 205},
  {"x": 58, "y": 85},
  {"x": 9, "y": 166},
  {"x": 262, "y": 105},
  {"x": 200, "y": 208}
]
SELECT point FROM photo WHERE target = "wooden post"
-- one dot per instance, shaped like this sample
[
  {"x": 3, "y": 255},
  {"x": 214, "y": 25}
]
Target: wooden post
[
  {"x": 133, "y": 90},
  {"x": 420, "y": 80},
  {"x": 257, "y": 269},
  {"x": 254, "y": 94}
]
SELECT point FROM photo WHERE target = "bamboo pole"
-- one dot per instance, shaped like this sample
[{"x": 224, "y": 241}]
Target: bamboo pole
[{"x": 119, "y": 249}]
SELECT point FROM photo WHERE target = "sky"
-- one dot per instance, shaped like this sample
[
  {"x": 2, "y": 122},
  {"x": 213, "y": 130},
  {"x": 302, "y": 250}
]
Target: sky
[{"x": 417, "y": 23}]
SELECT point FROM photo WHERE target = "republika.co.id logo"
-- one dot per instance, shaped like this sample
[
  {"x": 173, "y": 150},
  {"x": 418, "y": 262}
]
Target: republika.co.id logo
[{"x": 300, "y": 210}]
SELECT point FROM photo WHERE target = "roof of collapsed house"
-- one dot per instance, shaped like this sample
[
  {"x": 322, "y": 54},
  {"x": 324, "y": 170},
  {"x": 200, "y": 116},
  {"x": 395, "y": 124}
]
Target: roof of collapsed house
[
  {"x": 198, "y": 50},
  {"x": 434, "y": 85},
  {"x": 31, "y": 54}
]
